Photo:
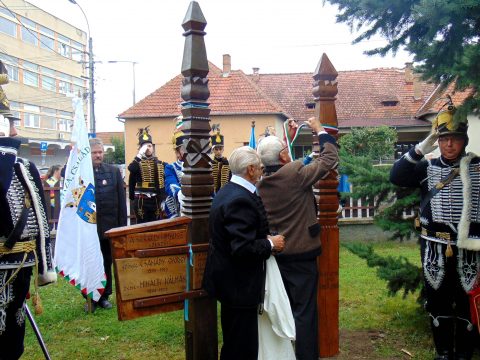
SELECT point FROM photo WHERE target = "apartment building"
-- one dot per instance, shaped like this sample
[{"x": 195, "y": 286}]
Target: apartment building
[{"x": 46, "y": 61}]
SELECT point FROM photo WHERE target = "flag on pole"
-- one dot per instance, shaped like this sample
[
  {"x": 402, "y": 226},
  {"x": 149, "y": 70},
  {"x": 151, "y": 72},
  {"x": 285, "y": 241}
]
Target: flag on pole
[
  {"x": 290, "y": 134},
  {"x": 77, "y": 248},
  {"x": 252, "y": 142}
]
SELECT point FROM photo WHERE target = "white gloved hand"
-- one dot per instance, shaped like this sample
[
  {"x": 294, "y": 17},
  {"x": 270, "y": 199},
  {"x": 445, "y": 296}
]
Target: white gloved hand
[
  {"x": 428, "y": 145},
  {"x": 142, "y": 151}
]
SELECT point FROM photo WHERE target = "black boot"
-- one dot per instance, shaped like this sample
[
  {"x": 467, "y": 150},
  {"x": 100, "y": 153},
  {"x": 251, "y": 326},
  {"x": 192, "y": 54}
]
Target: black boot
[
  {"x": 443, "y": 337},
  {"x": 464, "y": 339}
]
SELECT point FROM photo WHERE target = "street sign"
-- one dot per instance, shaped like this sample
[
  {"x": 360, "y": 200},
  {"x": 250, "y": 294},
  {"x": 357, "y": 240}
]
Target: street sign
[
  {"x": 43, "y": 146},
  {"x": 92, "y": 135}
]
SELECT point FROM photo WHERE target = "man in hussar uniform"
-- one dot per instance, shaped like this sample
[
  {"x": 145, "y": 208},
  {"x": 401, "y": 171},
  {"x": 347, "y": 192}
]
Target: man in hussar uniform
[
  {"x": 24, "y": 235},
  {"x": 150, "y": 181},
  {"x": 450, "y": 229},
  {"x": 175, "y": 197},
  {"x": 220, "y": 168}
]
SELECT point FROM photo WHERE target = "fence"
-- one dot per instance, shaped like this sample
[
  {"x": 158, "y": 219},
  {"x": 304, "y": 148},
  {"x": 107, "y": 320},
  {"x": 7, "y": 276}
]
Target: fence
[{"x": 357, "y": 209}]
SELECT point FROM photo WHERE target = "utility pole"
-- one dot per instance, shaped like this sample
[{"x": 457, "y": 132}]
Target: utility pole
[
  {"x": 92, "y": 87},
  {"x": 91, "y": 72}
]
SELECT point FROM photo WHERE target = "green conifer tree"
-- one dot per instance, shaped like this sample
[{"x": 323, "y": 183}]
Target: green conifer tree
[
  {"x": 361, "y": 155},
  {"x": 442, "y": 35}
]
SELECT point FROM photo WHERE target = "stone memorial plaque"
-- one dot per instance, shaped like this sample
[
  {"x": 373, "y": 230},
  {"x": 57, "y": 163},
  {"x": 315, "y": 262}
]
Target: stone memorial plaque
[
  {"x": 156, "y": 239},
  {"x": 145, "y": 277}
]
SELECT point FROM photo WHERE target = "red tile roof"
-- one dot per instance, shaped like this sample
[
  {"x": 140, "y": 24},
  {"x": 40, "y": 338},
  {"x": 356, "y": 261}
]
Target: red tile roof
[
  {"x": 436, "y": 100},
  {"x": 359, "y": 100},
  {"x": 234, "y": 94},
  {"x": 106, "y": 137}
]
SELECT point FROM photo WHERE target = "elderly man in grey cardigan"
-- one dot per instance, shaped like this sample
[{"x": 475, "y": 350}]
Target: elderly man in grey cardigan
[{"x": 287, "y": 193}]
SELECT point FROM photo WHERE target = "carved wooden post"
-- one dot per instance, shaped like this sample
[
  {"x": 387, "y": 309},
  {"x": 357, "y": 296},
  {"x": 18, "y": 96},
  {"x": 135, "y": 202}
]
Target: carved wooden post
[
  {"x": 197, "y": 182},
  {"x": 324, "y": 92}
]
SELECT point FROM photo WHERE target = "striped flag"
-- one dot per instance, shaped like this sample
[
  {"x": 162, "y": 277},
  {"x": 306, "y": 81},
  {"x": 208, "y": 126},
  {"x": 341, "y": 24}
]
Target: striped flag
[
  {"x": 290, "y": 134},
  {"x": 77, "y": 248}
]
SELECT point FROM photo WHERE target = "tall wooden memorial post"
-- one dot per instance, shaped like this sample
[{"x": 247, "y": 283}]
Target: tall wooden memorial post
[
  {"x": 324, "y": 92},
  {"x": 197, "y": 181}
]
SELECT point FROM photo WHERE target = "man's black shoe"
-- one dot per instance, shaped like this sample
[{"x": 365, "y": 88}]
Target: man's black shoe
[{"x": 104, "y": 304}]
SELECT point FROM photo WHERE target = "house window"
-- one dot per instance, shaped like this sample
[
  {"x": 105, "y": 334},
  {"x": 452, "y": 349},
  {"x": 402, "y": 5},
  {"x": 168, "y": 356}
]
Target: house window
[
  {"x": 48, "y": 83},
  {"x": 49, "y": 123},
  {"x": 310, "y": 105},
  {"x": 31, "y": 120},
  {"x": 390, "y": 102},
  {"x": 77, "y": 51},
  {"x": 65, "y": 125},
  {"x": 299, "y": 151},
  {"x": 64, "y": 87},
  {"x": 8, "y": 27},
  {"x": 11, "y": 63},
  {"x": 30, "y": 78},
  {"x": 65, "y": 84},
  {"x": 31, "y": 116},
  {"x": 47, "y": 43},
  {"x": 29, "y": 32}
]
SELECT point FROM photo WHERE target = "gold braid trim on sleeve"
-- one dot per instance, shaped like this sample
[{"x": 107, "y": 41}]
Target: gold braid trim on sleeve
[
  {"x": 161, "y": 175},
  {"x": 215, "y": 165},
  {"x": 225, "y": 176}
]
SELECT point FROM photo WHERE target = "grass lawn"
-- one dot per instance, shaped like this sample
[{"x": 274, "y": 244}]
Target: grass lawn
[{"x": 364, "y": 307}]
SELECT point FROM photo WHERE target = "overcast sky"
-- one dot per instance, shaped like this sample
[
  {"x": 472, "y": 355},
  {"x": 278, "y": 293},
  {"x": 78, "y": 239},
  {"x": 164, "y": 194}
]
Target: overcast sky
[{"x": 278, "y": 36}]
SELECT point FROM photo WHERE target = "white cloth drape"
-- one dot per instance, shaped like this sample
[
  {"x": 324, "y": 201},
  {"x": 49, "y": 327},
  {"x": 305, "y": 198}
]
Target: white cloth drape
[{"x": 276, "y": 326}]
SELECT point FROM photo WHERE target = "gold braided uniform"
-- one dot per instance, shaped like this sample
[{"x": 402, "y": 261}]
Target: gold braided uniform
[{"x": 221, "y": 173}]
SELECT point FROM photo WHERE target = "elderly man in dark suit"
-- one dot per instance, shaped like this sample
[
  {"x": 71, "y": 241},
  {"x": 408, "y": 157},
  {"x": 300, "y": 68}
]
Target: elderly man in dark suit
[
  {"x": 286, "y": 191},
  {"x": 239, "y": 246}
]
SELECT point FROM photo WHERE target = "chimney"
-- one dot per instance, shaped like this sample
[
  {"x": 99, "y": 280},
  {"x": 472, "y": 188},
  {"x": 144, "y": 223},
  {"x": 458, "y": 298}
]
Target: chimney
[
  {"x": 255, "y": 70},
  {"x": 227, "y": 65},
  {"x": 409, "y": 72},
  {"x": 417, "y": 88}
]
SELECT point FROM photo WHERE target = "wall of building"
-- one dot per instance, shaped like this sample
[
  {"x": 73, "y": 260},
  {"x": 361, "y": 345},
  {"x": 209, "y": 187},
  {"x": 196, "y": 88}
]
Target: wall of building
[{"x": 60, "y": 58}]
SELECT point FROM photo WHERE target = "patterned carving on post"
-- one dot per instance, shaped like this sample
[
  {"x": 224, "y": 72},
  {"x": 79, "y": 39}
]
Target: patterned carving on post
[
  {"x": 197, "y": 182},
  {"x": 324, "y": 92}
]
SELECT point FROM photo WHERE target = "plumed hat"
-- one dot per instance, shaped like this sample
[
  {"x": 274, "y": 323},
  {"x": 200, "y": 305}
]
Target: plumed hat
[
  {"x": 217, "y": 138},
  {"x": 178, "y": 135},
  {"x": 445, "y": 124},
  {"x": 144, "y": 136}
]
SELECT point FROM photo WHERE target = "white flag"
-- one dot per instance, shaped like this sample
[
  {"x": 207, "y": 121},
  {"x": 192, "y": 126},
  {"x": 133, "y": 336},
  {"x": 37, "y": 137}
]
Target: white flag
[{"x": 77, "y": 248}]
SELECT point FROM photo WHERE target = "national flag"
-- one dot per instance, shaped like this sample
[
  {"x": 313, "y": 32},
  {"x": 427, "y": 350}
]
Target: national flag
[
  {"x": 77, "y": 248},
  {"x": 290, "y": 134},
  {"x": 252, "y": 142}
]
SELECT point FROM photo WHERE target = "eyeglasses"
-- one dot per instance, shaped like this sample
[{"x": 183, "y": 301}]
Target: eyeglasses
[
  {"x": 284, "y": 148},
  {"x": 452, "y": 138}
]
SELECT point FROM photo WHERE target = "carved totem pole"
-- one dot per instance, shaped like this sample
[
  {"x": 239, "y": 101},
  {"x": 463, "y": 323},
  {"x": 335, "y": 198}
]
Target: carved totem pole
[
  {"x": 324, "y": 92},
  {"x": 197, "y": 182}
]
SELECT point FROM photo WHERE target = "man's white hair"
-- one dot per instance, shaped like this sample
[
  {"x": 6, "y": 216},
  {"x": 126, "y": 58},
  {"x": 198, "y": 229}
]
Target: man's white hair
[
  {"x": 269, "y": 150},
  {"x": 241, "y": 158}
]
